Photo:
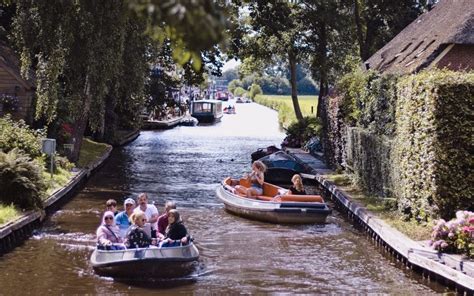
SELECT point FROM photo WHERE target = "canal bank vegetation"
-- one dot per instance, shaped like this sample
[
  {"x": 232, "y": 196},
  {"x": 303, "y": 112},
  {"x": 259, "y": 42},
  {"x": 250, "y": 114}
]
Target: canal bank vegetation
[
  {"x": 283, "y": 105},
  {"x": 8, "y": 213},
  {"x": 90, "y": 152},
  {"x": 25, "y": 176},
  {"x": 406, "y": 139}
]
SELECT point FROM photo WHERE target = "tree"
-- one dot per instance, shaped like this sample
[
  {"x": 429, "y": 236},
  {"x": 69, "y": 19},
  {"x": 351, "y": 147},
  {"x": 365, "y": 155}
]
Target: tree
[
  {"x": 79, "y": 57},
  {"x": 273, "y": 32},
  {"x": 378, "y": 21}
]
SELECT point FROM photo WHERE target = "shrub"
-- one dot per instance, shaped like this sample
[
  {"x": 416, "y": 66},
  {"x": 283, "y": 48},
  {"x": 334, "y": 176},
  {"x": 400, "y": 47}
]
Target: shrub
[
  {"x": 300, "y": 132},
  {"x": 456, "y": 236},
  {"x": 239, "y": 91},
  {"x": 20, "y": 180},
  {"x": 16, "y": 134},
  {"x": 255, "y": 89}
]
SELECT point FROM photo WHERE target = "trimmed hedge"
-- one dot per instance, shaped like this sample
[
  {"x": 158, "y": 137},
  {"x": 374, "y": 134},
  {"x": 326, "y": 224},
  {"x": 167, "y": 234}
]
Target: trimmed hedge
[
  {"x": 433, "y": 148},
  {"x": 409, "y": 137},
  {"x": 368, "y": 155}
]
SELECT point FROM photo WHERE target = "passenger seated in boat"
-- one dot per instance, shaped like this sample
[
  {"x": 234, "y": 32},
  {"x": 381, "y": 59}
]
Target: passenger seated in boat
[
  {"x": 111, "y": 205},
  {"x": 108, "y": 233},
  {"x": 163, "y": 219},
  {"x": 176, "y": 232},
  {"x": 256, "y": 178},
  {"x": 137, "y": 237},
  {"x": 297, "y": 187},
  {"x": 122, "y": 219}
]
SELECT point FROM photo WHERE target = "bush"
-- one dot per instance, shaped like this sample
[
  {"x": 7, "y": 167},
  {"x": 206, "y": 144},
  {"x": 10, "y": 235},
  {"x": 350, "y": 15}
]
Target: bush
[
  {"x": 455, "y": 236},
  {"x": 21, "y": 181},
  {"x": 300, "y": 132},
  {"x": 233, "y": 85},
  {"x": 255, "y": 89},
  {"x": 239, "y": 91},
  {"x": 16, "y": 134}
]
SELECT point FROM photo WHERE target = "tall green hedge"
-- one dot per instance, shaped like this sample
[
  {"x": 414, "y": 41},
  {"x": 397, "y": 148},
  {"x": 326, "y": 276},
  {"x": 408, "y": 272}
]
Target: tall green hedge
[
  {"x": 368, "y": 156},
  {"x": 433, "y": 148},
  {"x": 410, "y": 137}
]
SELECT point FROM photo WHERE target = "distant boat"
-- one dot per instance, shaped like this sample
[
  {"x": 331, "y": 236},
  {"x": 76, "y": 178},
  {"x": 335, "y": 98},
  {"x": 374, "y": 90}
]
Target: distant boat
[
  {"x": 288, "y": 209},
  {"x": 207, "y": 111},
  {"x": 152, "y": 262},
  {"x": 162, "y": 124}
]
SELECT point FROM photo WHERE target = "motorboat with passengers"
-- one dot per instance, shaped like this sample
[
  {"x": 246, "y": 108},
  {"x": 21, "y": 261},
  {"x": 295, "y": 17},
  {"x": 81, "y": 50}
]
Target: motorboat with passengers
[
  {"x": 274, "y": 205},
  {"x": 151, "y": 262}
]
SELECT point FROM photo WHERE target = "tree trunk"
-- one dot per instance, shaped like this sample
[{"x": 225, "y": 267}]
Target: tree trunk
[
  {"x": 81, "y": 123},
  {"x": 294, "y": 90},
  {"x": 359, "y": 29},
  {"x": 323, "y": 80}
]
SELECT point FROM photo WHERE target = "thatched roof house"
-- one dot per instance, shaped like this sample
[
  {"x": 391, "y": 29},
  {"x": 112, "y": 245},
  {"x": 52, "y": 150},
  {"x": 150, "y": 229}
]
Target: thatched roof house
[
  {"x": 16, "y": 93},
  {"x": 442, "y": 37}
]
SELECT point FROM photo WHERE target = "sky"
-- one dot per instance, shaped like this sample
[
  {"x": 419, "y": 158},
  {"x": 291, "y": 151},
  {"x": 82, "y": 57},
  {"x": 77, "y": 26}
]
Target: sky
[{"x": 230, "y": 64}]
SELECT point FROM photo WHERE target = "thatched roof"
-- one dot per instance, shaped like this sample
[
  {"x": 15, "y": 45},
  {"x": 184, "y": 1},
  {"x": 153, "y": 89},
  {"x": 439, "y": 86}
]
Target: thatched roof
[
  {"x": 10, "y": 62},
  {"x": 414, "y": 48}
]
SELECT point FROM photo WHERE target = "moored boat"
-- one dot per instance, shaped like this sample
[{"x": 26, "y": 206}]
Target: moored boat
[
  {"x": 274, "y": 205},
  {"x": 281, "y": 167},
  {"x": 152, "y": 262},
  {"x": 207, "y": 111}
]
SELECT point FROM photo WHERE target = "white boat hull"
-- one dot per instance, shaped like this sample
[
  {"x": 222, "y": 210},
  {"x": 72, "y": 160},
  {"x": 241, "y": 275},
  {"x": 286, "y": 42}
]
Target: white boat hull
[
  {"x": 169, "y": 262},
  {"x": 274, "y": 212}
]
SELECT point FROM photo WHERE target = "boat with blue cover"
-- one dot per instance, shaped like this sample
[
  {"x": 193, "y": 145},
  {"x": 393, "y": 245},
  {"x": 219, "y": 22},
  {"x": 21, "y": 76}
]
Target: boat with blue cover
[{"x": 281, "y": 167}]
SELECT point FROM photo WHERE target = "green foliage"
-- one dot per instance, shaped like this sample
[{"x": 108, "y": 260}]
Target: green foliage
[
  {"x": 21, "y": 180},
  {"x": 239, "y": 91},
  {"x": 8, "y": 213},
  {"x": 412, "y": 138},
  {"x": 233, "y": 85},
  {"x": 369, "y": 100},
  {"x": 284, "y": 106},
  {"x": 90, "y": 152},
  {"x": 368, "y": 156},
  {"x": 299, "y": 132},
  {"x": 255, "y": 89},
  {"x": 16, "y": 134},
  {"x": 433, "y": 145}
]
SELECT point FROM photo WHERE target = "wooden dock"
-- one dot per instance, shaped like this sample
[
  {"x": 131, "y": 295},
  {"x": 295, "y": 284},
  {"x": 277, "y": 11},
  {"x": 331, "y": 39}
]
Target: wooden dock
[{"x": 451, "y": 270}]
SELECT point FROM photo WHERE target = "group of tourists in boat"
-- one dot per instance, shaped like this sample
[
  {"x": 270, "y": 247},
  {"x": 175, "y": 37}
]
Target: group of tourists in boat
[{"x": 139, "y": 225}]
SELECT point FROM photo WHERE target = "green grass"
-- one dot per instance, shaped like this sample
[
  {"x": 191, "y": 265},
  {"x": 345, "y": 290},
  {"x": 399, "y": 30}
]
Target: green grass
[
  {"x": 284, "y": 106},
  {"x": 8, "y": 213},
  {"x": 383, "y": 208},
  {"x": 60, "y": 178},
  {"x": 90, "y": 152}
]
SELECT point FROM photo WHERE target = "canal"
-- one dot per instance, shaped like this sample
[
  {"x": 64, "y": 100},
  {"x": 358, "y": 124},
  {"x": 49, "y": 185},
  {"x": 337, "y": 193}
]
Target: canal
[{"x": 186, "y": 164}]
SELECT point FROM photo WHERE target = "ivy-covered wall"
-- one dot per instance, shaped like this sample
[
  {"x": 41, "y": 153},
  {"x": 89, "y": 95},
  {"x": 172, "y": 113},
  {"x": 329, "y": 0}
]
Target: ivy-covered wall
[{"x": 408, "y": 137}]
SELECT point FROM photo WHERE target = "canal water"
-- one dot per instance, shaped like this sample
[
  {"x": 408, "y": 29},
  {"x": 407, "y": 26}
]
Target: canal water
[{"x": 186, "y": 164}]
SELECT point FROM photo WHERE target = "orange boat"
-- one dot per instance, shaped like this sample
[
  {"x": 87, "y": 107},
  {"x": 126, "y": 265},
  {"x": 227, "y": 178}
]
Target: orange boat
[{"x": 274, "y": 205}]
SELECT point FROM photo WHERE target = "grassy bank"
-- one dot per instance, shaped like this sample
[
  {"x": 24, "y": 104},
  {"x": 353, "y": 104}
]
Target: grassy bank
[
  {"x": 90, "y": 152},
  {"x": 8, "y": 213},
  {"x": 383, "y": 208},
  {"x": 284, "y": 106}
]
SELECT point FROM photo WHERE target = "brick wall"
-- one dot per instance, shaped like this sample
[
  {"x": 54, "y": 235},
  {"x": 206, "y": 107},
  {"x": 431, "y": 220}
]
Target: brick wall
[{"x": 460, "y": 57}]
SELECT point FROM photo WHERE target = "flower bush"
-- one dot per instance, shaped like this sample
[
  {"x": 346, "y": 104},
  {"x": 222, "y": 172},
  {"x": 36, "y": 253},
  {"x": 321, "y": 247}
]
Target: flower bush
[{"x": 456, "y": 235}]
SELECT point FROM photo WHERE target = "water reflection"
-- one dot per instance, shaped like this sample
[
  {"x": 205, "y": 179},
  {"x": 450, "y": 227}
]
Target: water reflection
[{"x": 237, "y": 255}]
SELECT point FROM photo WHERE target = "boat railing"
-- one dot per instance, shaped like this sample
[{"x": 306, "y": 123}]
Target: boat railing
[{"x": 169, "y": 252}]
